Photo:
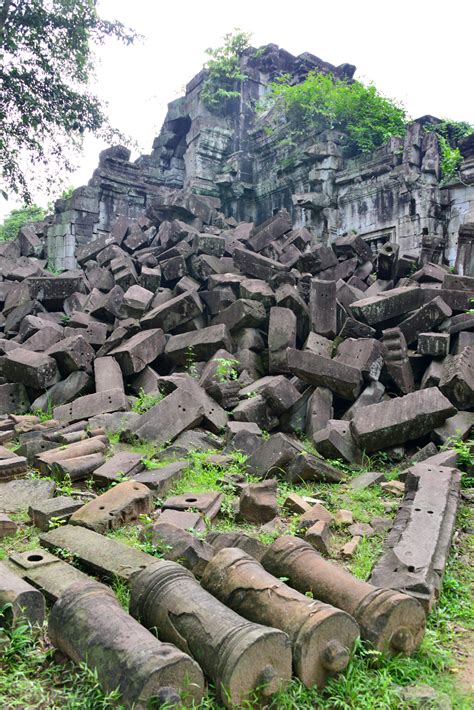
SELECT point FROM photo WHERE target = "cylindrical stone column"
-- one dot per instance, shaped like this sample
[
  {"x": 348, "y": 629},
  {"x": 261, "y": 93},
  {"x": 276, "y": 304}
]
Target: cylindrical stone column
[
  {"x": 391, "y": 621},
  {"x": 240, "y": 657},
  {"x": 322, "y": 637},
  {"x": 88, "y": 624},
  {"x": 19, "y": 601}
]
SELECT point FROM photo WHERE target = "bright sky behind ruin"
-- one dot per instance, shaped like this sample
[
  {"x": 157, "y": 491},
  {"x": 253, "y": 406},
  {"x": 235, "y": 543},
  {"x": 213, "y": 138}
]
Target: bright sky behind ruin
[{"x": 418, "y": 52}]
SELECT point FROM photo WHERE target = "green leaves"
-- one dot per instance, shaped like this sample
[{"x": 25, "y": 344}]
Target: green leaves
[
  {"x": 222, "y": 83},
  {"x": 321, "y": 101},
  {"x": 18, "y": 218},
  {"x": 47, "y": 61}
]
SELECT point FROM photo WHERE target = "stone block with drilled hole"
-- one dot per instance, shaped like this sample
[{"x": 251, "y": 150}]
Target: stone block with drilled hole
[{"x": 118, "y": 506}]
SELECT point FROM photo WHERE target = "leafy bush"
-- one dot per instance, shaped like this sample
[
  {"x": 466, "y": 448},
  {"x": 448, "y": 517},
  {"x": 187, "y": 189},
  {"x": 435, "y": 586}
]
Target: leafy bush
[
  {"x": 449, "y": 133},
  {"x": 320, "y": 101},
  {"x": 146, "y": 401},
  {"x": 18, "y": 218},
  {"x": 220, "y": 87}
]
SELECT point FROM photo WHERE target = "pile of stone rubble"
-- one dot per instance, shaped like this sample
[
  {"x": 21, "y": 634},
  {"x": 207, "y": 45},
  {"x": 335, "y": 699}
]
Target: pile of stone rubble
[{"x": 243, "y": 338}]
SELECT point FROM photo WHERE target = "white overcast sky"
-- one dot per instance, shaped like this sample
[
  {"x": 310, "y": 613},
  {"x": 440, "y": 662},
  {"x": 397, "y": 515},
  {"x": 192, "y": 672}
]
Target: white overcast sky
[{"x": 417, "y": 51}]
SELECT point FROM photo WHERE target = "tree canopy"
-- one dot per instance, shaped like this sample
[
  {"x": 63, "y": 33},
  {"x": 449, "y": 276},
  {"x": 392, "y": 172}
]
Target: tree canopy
[{"x": 46, "y": 62}]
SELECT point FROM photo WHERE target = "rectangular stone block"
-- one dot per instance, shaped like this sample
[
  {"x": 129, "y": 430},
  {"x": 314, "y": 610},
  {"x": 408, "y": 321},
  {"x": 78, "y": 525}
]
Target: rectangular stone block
[
  {"x": 99, "y": 554},
  {"x": 135, "y": 353},
  {"x": 107, "y": 374},
  {"x": 322, "y": 307},
  {"x": 396, "y": 421},
  {"x": 125, "y": 463},
  {"x": 433, "y": 344},
  {"x": 243, "y": 313},
  {"x": 17, "y": 496},
  {"x": 173, "y": 313},
  {"x": 72, "y": 354},
  {"x": 256, "y": 265},
  {"x": 425, "y": 318},
  {"x": 163, "y": 422},
  {"x": 161, "y": 480},
  {"x": 14, "y": 398},
  {"x": 457, "y": 379},
  {"x": 390, "y": 304},
  {"x": 60, "y": 508},
  {"x": 90, "y": 405},
  {"x": 203, "y": 344},
  {"x": 121, "y": 504},
  {"x": 343, "y": 380},
  {"x": 282, "y": 329},
  {"x": 35, "y": 370}
]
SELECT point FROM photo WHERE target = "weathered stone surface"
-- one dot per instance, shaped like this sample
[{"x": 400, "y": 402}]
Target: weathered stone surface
[
  {"x": 258, "y": 503},
  {"x": 46, "y": 460},
  {"x": 35, "y": 370},
  {"x": 424, "y": 319},
  {"x": 16, "y": 496},
  {"x": 282, "y": 329},
  {"x": 343, "y": 380},
  {"x": 243, "y": 313},
  {"x": 322, "y": 308},
  {"x": 236, "y": 654},
  {"x": 321, "y": 636},
  {"x": 365, "y": 354},
  {"x": 318, "y": 536},
  {"x": 335, "y": 441},
  {"x": 390, "y": 621},
  {"x": 163, "y": 422},
  {"x": 72, "y": 354},
  {"x": 184, "y": 519},
  {"x": 433, "y": 344},
  {"x": 173, "y": 313},
  {"x": 399, "y": 420},
  {"x": 99, "y": 554},
  {"x": 89, "y": 625},
  {"x": 7, "y": 526},
  {"x": 457, "y": 427},
  {"x": 457, "y": 379},
  {"x": 319, "y": 412},
  {"x": 178, "y": 545},
  {"x": 160, "y": 480},
  {"x": 13, "y": 398},
  {"x": 74, "y": 385},
  {"x": 418, "y": 544},
  {"x": 60, "y": 508},
  {"x": 140, "y": 350},
  {"x": 12, "y": 467},
  {"x": 118, "y": 506},
  {"x": 51, "y": 575},
  {"x": 19, "y": 601},
  {"x": 107, "y": 374},
  {"x": 366, "y": 479},
  {"x": 387, "y": 305},
  {"x": 280, "y": 394},
  {"x": 203, "y": 343},
  {"x": 125, "y": 463},
  {"x": 91, "y": 404}
]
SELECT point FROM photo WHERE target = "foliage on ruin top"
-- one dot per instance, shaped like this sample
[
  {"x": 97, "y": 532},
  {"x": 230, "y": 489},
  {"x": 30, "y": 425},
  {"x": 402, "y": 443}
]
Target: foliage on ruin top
[
  {"x": 321, "y": 102},
  {"x": 224, "y": 73},
  {"x": 449, "y": 133}
]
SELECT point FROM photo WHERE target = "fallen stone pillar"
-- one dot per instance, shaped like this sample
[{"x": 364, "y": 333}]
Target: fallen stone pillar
[
  {"x": 237, "y": 655},
  {"x": 322, "y": 637},
  {"x": 88, "y": 624},
  {"x": 418, "y": 543},
  {"x": 390, "y": 621},
  {"x": 46, "y": 572},
  {"x": 343, "y": 380},
  {"x": 19, "y": 601},
  {"x": 91, "y": 404}
]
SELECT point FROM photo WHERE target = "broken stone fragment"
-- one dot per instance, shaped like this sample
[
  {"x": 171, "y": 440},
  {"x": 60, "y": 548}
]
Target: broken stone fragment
[
  {"x": 206, "y": 504},
  {"x": 258, "y": 503},
  {"x": 318, "y": 536},
  {"x": 17, "y": 496},
  {"x": 366, "y": 479},
  {"x": 7, "y": 526},
  {"x": 35, "y": 370},
  {"x": 44, "y": 512},
  {"x": 134, "y": 354},
  {"x": 344, "y": 517},
  {"x": 179, "y": 545}
]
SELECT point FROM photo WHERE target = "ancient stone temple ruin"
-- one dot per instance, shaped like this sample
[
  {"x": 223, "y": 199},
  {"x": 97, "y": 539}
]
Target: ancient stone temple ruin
[
  {"x": 392, "y": 194},
  {"x": 242, "y": 338}
]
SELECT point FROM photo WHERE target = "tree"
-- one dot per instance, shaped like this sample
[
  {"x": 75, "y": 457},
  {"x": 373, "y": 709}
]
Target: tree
[
  {"x": 17, "y": 218},
  {"x": 224, "y": 73},
  {"x": 46, "y": 62}
]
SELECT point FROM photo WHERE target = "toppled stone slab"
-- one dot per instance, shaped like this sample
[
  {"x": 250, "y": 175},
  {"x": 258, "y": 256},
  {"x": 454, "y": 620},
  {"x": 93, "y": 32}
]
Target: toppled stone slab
[
  {"x": 390, "y": 304},
  {"x": 424, "y": 319},
  {"x": 54, "y": 509},
  {"x": 17, "y": 496},
  {"x": 457, "y": 379},
  {"x": 51, "y": 575},
  {"x": 181, "y": 546},
  {"x": 162, "y": 423},
  {"x": 118, "y": 506},
  {"x": 90, "y": 405},
  {"x": 134, "y": 354},
  {"x": 101, "y": 555},
  {"x": 418, "y": 545},
  {"x": 206, "y": 504},
  {"x": 335, "y": 442},
  {"x": 399, "y": 420},
  {"x": 342, "y": 379},
  {"x": 35, "y": 370},
  {"x": 366, "y": 479},
  {"x": 160, "y": 480},
  {"x": 203, "y": 343},
  {"x": 123, "y": 464},
  {"x": 236, "y": 539},
  {"x": 7, "y": 526}
]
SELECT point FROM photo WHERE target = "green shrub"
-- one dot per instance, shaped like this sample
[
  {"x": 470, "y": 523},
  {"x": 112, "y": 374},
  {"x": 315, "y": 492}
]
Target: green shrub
[
  {"x": 225, "y": 75},
  {"x": 18, "y": 218},
  {"x": 320, "y": 101}
]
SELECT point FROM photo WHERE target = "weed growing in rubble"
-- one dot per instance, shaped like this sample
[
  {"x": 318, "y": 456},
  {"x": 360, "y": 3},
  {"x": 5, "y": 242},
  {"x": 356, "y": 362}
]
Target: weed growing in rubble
[
  {"x": 226, "y": 369},
  {"x": 146, "y": 401}
]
